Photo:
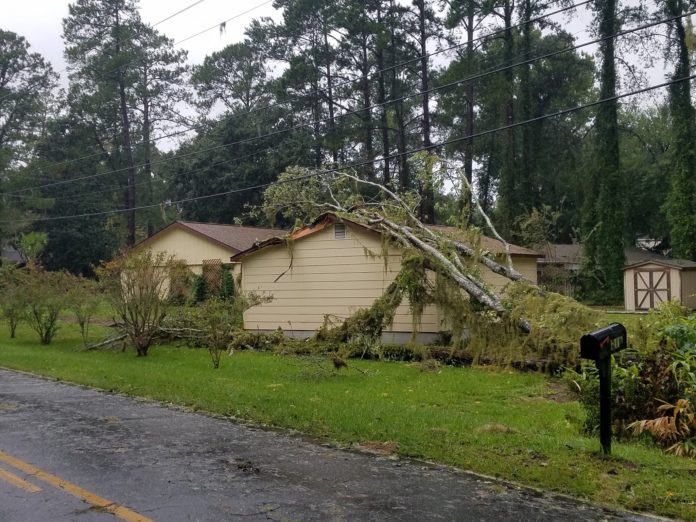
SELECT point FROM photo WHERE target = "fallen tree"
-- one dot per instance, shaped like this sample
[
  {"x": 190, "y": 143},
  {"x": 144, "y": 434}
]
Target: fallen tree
[{"x": 522, "y": 320}]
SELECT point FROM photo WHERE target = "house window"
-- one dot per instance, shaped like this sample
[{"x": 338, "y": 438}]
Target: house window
[{"x": 339, "y": 231}]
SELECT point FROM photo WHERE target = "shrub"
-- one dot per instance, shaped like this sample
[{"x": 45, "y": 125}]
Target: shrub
[
  {"x": 215, "y": 322},
  {"x": 226, "y": 284},
  {"x": 180, "y": 277},
  {"x": 644, "y": 380},
  {"x": 676, "y": 430},
  {"x": 199, "y": 292},
  {"x": 136, "y": 287},
  {"x": 13, "y": 304},
  {"x": 83, "y": 299},
  {"x": 46, "y": 295}
]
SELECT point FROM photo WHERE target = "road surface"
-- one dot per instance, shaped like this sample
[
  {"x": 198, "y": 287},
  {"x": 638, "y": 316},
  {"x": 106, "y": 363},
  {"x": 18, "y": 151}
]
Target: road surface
[{"x": 68, "y": 453}]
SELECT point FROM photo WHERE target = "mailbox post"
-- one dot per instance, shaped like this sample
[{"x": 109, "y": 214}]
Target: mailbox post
[{"x": 599, "y": 346}]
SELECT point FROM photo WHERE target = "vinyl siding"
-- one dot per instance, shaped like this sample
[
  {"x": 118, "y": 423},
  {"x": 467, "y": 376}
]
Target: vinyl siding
[
  {"x": 188, "y": 247},
  {"x": 334, "y": 277}
]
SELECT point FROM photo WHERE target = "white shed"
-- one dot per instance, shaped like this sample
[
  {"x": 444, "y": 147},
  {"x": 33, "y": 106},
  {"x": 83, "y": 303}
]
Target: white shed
[{"x": 649, "y": 283}]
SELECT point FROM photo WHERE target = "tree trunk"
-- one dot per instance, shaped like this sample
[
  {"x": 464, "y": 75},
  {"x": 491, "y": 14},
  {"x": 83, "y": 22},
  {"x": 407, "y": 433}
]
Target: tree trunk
[
  {"x": 681, "y": 205},
  {"x": 470, "y": 117},
  {"x": 428, "y": 202},
  {"x": 508, "y": 185},
  {"x": 329, "y": 91},
  {"x": 147, "y": 148},
  {"x": 526, "y": 189},
  {"x": 381, "y": 99},
  {"x": 125, "y": 132},
  {"x": 367, "y": 116}
]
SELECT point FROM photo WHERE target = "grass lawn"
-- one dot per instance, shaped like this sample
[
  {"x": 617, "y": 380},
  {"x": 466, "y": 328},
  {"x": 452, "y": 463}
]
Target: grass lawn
[{"x": 492, "y": 421}]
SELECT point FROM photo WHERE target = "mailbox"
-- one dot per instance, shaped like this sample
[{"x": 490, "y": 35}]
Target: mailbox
[
  {"x": 603, "y": 342},
  {"x": 598, "y": 346}
]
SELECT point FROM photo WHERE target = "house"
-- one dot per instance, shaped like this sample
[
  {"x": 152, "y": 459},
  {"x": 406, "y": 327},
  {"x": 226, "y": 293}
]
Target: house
[
  {"x": 648, "y": 283},
  {"x": 334, "y": 267},
  {"x": 204, "y": 247}
]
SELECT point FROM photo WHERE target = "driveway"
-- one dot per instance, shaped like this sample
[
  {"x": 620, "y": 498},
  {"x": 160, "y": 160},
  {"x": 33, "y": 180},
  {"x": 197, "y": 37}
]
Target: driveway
[{"x": 71, "y": 453}]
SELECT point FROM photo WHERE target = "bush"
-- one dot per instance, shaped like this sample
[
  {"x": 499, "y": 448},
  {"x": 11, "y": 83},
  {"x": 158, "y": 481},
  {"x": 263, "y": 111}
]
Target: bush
[
  {"x": 46, "y": 295},
  {"x": 13, "y": 304},
  {"x": 644, "y": 380},
  {"x": 136, "y": 287},
  {"x": 83, "y": 299},
  {"x": 199, "y": 292},
  {"x": 214, "y": 323},
  {"x": 227, "y": 290}
]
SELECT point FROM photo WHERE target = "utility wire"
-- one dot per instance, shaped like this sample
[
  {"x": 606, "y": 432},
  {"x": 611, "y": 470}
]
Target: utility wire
[
  {"x": 362, "y": 110},
  {"x": 222, "y": 24},
  {"x": 368, "y": 162},
  {"x": 178, "y": 12},
  {"x": 348, "y": 82}
]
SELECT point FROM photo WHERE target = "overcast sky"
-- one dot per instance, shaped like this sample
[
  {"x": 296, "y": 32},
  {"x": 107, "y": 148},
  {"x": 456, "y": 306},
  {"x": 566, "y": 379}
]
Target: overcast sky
[{"x": 40, "y": 22}]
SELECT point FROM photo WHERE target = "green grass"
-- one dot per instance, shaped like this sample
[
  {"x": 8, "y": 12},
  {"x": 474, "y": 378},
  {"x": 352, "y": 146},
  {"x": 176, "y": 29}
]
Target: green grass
[{"x": 495, "y": 422}]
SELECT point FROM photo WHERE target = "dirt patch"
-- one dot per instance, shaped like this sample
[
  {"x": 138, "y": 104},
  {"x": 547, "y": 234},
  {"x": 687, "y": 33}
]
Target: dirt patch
[
  {"x": 375, "y": 447},
  {"x": 8, "y": 406},
  {"x": 495, "y": 427},
  {"x": 558, "y": 392}
]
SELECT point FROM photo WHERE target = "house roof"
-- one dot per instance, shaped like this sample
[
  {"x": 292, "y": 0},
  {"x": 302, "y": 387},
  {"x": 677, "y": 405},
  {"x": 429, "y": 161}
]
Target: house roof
[
  {"x": 234, "y": 237},
  {"x": 487, "y": 243},
  {"x": 679, "y": 264},
  {"x": 561, "y": 254},
  {"x": 490, "y": 244},
  {"x": 11, "y": 254}
]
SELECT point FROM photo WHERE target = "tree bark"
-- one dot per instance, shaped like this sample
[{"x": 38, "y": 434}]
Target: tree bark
[
  {"x": 428, "y": 202},
  {"x": 126, "y": 134}
]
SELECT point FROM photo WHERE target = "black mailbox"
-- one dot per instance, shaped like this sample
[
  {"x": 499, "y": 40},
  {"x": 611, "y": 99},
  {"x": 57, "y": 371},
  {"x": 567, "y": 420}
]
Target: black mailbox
[
  {"x": 598, "y": 346},
  {"x": 603, "y": 342}
]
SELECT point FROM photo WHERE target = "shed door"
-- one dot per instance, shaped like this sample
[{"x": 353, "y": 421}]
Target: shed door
[{"x": 652, "y": 287}]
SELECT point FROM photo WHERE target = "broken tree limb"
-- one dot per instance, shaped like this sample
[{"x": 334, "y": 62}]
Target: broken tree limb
[
  {"x": 506, "y": 271},
  {"x": 488, "y": 299},
  {"x": 106, "y": 342},
  {"x": 486, "y": 218}
]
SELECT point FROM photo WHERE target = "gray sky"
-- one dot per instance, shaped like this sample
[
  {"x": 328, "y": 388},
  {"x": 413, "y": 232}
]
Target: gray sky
[{"x": 40, "y": 22}]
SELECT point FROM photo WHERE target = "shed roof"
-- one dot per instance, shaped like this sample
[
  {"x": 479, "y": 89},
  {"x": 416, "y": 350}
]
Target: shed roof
[
  {"x": 234, "y": 237},
  {"x": 490, "y": 244},
  {"x": 679, "y": 264}
]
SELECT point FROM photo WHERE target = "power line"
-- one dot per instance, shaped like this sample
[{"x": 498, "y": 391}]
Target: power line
[
  {"x": 348, "y": 82},
  {"x": 367, "y": 162},
  {"x": 222, "y": 24},
  {"x": 362, "y": 110},
  {"x": 178, "y": 12}
]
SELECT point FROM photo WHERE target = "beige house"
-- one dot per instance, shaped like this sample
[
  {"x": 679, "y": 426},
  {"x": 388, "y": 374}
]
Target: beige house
[
  {"x": 333, "y": 268},
  {"x": 649, "y": 283},
  {"x": 199, "y": 244}
]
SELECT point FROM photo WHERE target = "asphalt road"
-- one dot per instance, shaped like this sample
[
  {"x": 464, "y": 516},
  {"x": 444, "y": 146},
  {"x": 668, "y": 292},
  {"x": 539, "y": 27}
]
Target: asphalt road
[{"x": 70, "y": 453}]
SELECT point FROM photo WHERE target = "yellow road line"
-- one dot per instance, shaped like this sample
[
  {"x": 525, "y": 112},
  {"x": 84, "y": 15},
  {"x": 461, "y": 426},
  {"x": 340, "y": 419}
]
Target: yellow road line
[
  {"x": 76, "y": 491},
  {"x": 18, "y": 481}
]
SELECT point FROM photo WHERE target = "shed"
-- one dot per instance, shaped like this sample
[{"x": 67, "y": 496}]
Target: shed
[
  {"x": 334, "y": 267},
  {"x": 649, "y": 283}
]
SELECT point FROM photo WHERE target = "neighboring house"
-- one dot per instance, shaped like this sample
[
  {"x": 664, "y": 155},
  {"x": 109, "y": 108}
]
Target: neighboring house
[
  {"x": 333, "y": 268},
  {"x": 197, "y": 243},
  {"x": 649, "y": 283},
  {"x": 203, "y": 247}
]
